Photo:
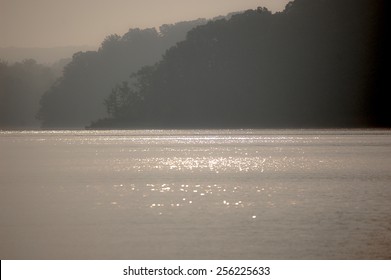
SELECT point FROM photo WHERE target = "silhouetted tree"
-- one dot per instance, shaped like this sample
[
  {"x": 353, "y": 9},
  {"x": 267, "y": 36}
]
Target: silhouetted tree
[{"x": 123, "y": 102}]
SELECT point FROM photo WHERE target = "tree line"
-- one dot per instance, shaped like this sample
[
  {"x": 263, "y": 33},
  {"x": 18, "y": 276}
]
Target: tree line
[
  {"x": 71, "y": 92},
  {"x": 319, "y": 63}
]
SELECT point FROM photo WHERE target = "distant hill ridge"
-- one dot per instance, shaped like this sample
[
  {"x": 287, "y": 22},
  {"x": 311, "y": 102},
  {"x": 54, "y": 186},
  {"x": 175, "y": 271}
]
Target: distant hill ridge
[
  {"x": 35, "y": 83},
  {"x": 46, "y": 56}
]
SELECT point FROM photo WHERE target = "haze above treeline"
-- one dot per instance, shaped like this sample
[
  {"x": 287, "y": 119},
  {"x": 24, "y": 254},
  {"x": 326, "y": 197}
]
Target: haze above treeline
[
  {"x": 70, "y": 23},
  {"x": 318, "y": 63}
]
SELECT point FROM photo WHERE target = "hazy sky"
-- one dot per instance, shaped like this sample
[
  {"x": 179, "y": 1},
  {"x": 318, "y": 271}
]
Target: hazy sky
[{"x": 49, "y": 23}]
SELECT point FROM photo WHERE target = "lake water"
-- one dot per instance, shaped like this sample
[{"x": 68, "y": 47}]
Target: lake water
[{"x": 195, "y": 194}]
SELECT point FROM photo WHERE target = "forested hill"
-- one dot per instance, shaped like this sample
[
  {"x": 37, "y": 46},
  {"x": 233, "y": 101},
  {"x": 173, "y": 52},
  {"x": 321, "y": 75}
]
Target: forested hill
[
  {"x": 319, "y": 63},
  {"x": 78, "y": 96},
  {"x": 21, "y": 87}
]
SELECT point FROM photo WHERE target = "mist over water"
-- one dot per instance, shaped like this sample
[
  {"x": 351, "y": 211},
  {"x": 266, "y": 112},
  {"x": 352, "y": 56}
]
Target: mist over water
[{"x": 195, "y": 194}]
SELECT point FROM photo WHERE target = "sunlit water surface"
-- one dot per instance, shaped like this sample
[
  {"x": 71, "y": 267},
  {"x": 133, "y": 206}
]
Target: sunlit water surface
[{"x": 216, "y": 194}]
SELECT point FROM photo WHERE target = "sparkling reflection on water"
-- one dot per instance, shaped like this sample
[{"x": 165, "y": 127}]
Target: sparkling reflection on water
[{"x": 225, "y": 194}]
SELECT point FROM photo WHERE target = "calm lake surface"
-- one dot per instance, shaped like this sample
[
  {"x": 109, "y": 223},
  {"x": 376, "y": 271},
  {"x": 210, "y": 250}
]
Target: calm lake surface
[{"x": 195, "y": 194}]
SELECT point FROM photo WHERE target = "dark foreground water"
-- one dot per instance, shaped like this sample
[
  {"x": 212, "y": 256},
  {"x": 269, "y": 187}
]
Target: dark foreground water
[{"x": 230, "y": 194}]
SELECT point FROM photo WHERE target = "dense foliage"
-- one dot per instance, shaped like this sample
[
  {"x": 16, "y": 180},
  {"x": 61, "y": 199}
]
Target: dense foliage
[{"x": 319, "y": 63}]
